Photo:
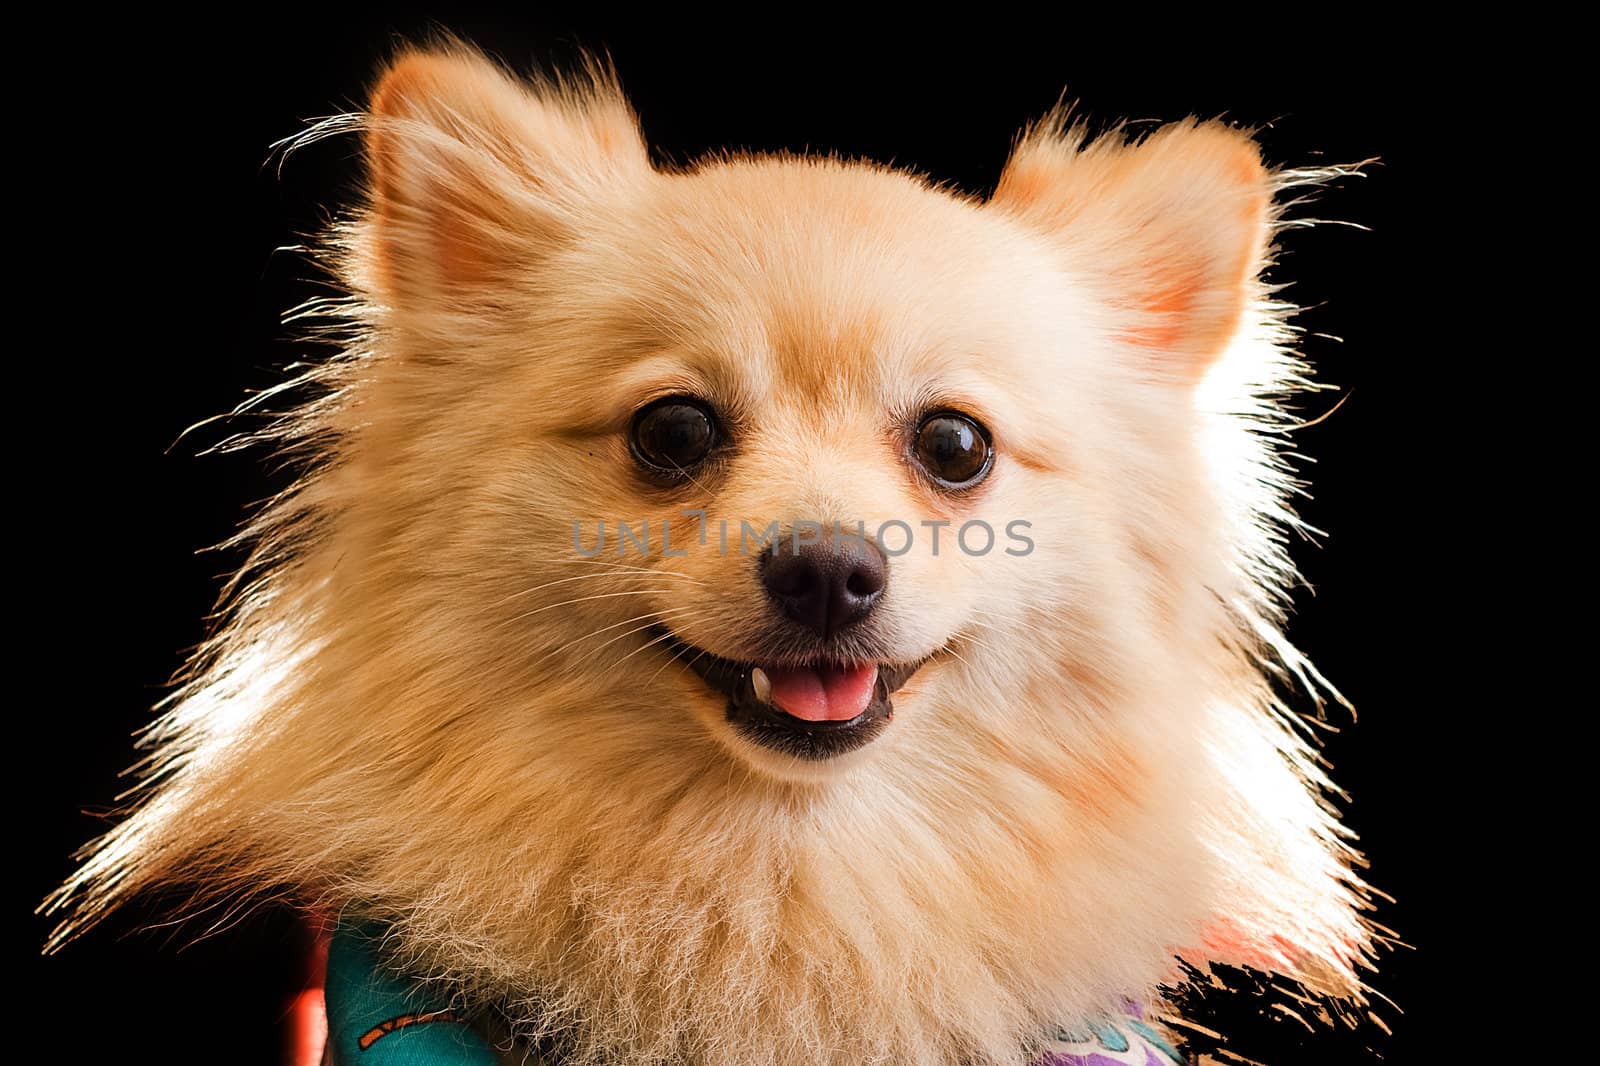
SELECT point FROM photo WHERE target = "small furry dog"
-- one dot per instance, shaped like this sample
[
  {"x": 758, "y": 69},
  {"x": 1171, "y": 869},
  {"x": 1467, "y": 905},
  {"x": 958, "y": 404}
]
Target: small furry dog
[{"x": 770, "y": 611}]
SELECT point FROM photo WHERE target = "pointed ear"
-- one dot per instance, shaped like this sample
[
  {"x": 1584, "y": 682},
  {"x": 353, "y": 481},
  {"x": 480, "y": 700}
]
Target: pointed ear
[
  {"x": 1173, "y": 228},
  {"x": 473, "y": 175}
]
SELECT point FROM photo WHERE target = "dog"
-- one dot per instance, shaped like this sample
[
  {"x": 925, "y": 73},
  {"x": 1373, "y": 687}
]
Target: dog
[{"x": 773, "y": 610}]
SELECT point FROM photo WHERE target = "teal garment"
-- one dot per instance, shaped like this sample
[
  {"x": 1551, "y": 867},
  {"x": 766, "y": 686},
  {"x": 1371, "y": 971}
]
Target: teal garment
[{"x": 377, "y": 1019}]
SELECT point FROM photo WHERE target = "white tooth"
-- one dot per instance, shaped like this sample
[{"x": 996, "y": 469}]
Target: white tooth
[{"x": 761, "y": 684}]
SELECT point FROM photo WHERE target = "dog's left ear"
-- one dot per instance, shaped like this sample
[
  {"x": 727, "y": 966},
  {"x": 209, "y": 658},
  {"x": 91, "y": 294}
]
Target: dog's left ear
[{"x": 1173, "y": 229}]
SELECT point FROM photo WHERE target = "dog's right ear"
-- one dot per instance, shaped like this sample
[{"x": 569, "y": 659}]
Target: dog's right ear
[{"x": 474, "y": 175}]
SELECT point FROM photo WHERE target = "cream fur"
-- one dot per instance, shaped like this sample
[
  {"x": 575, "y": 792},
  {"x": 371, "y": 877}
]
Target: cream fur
[{"x": 425, "y": 708}]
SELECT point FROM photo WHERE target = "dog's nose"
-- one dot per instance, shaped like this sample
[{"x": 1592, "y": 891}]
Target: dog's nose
[{"x": 825, "y": 584}]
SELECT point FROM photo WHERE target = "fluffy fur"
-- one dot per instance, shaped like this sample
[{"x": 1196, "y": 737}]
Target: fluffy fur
[{"x": 424, "y": 707}]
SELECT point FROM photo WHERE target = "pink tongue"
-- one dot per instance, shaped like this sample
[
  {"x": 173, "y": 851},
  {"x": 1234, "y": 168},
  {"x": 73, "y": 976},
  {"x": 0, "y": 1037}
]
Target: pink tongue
[{"x": 822, "y": 693}]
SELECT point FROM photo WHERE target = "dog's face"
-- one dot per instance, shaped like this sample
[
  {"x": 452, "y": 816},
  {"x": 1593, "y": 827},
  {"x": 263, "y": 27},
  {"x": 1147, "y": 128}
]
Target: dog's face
[
  {"x": 779, "y": 444},
  {"x": 837, "y": 440}
]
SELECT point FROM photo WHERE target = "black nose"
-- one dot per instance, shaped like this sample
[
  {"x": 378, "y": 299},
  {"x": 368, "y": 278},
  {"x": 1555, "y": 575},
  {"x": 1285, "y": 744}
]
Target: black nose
[{"x": 825, "y": 583}]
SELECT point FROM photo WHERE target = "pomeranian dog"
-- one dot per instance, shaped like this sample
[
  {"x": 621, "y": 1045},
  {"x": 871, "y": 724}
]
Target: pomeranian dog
[{"x": 770, "y": 611}]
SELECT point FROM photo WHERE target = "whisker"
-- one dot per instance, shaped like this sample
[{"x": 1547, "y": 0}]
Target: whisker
[
  {"x": 692, "y": 480},
  {"x": 612, "y": 570},
  {"x": 585, "y": 599},
  {"x": 958, "y": 655},
  {"x": 614, "y": 625},
  {"x": 647, "y": 644},
  {"x": 677, "y": 656},
  {"x": 698, "y": 655},
  {"x": 639, "y": 629},
  {"x": 1024, "y": 626}
]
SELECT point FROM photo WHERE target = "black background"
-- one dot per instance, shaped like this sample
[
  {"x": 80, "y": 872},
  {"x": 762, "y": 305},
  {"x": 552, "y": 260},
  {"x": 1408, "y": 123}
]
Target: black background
[{"x": 153, "y": 300}]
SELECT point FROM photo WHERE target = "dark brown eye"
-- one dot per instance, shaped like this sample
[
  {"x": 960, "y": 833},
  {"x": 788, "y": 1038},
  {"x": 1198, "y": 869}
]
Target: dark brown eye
[
  {"x": 674, "y": 434},
  {"x": 953, "y": 449}
]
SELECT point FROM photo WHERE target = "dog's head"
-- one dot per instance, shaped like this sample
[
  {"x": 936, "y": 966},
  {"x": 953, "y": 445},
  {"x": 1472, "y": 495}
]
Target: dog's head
[
  {"x": 820, "y": 434},
  {"x": 728, "y": 597}
]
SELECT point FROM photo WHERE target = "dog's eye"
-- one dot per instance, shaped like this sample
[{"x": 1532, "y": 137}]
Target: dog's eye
[
  {"x": 673, "y": 434},
  {"x": 953, "y": 449}
]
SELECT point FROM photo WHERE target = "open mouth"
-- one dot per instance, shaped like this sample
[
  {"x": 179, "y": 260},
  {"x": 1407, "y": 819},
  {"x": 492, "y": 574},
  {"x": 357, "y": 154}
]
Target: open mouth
[{"x": 814, "y": 710}]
